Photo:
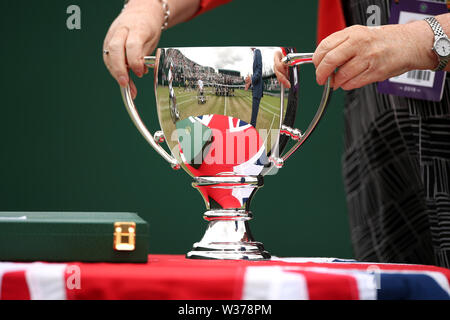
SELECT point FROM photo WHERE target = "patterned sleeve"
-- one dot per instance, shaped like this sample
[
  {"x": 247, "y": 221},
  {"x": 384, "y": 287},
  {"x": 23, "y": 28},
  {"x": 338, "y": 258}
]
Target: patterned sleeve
[{"x": 206, "y": 5}]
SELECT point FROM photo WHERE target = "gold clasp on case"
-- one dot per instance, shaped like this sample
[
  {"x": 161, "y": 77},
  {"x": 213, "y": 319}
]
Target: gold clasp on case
[{"x": 124, "y": 236}]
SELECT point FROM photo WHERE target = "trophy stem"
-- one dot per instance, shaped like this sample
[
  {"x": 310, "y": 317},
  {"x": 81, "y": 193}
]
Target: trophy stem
[{"x": 228, "y": 235}]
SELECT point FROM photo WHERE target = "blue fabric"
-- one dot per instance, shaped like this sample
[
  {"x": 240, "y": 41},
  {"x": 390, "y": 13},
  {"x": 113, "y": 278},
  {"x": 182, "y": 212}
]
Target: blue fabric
[{"x": 406, "y": 286}]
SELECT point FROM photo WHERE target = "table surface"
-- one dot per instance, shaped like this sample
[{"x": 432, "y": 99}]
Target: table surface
[{"x": 176, "y": 278}]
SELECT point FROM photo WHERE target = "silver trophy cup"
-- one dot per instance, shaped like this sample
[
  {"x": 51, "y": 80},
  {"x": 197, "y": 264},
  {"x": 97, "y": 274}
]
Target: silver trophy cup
[{"x": 226, "y": 121}]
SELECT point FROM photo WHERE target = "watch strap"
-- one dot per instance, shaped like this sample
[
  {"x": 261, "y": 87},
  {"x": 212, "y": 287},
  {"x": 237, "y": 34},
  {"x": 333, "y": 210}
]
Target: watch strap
[
  {"x": 436, "y": 26},
  {"x": 438, "y": 33}
]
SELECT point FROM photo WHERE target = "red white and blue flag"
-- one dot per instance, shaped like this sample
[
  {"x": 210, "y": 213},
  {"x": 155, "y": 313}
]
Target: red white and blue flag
[
  {"x": 235, "y": 148},
  {"x": 173, "y": 277},
  {"x": 219, "y": 145}
]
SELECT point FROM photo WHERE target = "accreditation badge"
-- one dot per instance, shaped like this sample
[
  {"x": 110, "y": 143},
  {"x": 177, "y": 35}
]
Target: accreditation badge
[{"x": 417, "y": 84}]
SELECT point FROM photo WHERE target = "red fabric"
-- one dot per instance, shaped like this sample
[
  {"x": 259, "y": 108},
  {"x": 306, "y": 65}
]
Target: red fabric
[
  {"x": 14, "y": 286},
  {"x": 338, "y": 287},
  {"x": 206, "y": 5},
  {"x": 330, "y": 18},
  {"x": 163, "y": 277}
]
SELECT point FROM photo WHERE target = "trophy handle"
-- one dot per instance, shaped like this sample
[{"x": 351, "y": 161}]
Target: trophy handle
[
  {"x": 132, "y": 111},
  {"x": 295, "y": 59}
]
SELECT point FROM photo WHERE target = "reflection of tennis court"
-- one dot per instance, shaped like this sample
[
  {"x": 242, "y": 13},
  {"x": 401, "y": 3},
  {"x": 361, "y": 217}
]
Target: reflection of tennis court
[{"x": 237, "y": 105}]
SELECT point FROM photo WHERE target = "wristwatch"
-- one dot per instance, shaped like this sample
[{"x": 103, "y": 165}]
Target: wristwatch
[{"x": 441, "y": 44}]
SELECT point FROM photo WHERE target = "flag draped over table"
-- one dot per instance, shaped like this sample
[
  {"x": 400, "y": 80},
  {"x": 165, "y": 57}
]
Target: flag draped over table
[{"x": 174, "y": 277}]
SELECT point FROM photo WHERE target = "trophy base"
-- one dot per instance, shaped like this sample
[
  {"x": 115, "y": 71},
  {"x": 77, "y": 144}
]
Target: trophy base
[
  {"x": 228, "y": 255},
  {"x": 217, "y": 255},
  {"x": 228, "y": 237}
]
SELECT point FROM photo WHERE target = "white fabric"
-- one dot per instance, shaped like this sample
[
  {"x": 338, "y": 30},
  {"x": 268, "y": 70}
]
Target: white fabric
[
  {"x": 318, "y": 260},
  {"x": 273, "y": 283},
  {"x": 45, "y": 281}
]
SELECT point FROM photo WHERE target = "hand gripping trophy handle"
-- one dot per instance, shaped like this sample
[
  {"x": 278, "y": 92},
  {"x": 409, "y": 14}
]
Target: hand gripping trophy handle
[
  {"x": 295, "y": 59},
  {"x": 153, "y": 140}
]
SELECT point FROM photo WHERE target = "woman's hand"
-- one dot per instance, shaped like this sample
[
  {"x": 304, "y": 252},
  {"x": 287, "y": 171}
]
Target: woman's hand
[
  {"x": 281, "y": 70},
  {"x": 369, "y": 54},
  {"x": 134, "y": 33}
]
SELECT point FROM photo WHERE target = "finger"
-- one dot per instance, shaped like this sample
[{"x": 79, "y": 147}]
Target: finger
[
  {"x": 109, "y": 34},
  {"x": 148, "y": 48},
  {"x": 115, "y": 60},
  {"x": 133, "y": 89},
  {"x": 332, "y": 82},
  {"x": 360, "y": 80},
  {"x": 333, "y": 59},
  {"x": 108, "y": 37},
  {"x": 349, "y": 71},
  {"x": 150, "y": 45},
  {"x": 328, "y": 44},
  {"x": 281, "y": 71},
  {"x": 135, "y": 54},
  {"x": 282, "y": 78}
]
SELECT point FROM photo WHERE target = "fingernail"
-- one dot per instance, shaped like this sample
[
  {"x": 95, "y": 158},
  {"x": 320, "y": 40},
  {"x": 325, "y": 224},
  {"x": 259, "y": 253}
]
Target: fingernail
[{"x": 123, "y": 81}]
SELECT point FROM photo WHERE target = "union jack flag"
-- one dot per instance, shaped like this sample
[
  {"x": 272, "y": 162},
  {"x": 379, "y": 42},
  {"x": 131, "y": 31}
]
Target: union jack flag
[
  {"x": 231, "y": 147},
  {"x": 173, "y": 277}
]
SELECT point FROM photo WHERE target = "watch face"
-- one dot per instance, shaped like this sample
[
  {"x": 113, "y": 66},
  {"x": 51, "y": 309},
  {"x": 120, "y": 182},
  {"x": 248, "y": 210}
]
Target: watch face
[{"x": 442, "y": 47}]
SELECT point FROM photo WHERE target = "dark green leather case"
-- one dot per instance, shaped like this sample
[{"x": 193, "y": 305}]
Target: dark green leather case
[{"x": 72, "y": 236}]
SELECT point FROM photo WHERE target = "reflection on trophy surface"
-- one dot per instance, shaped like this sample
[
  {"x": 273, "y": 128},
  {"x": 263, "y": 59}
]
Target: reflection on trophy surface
[{"x": 223, "y": 115}]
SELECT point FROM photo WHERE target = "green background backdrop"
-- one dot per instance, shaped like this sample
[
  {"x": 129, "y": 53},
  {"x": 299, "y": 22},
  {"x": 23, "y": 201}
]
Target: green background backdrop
[{"x": 68, "y": 144}]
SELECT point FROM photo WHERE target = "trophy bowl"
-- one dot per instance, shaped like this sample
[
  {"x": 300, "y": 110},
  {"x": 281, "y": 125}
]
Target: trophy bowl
[{"x": 226, "y": 121}]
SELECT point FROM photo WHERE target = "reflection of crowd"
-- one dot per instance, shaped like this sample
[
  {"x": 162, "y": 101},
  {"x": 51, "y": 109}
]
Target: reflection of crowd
[
  {"x": 271, "y": 84},
  {"x": 186, "y": 73},
  {"x": 225, "y": 88}
]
